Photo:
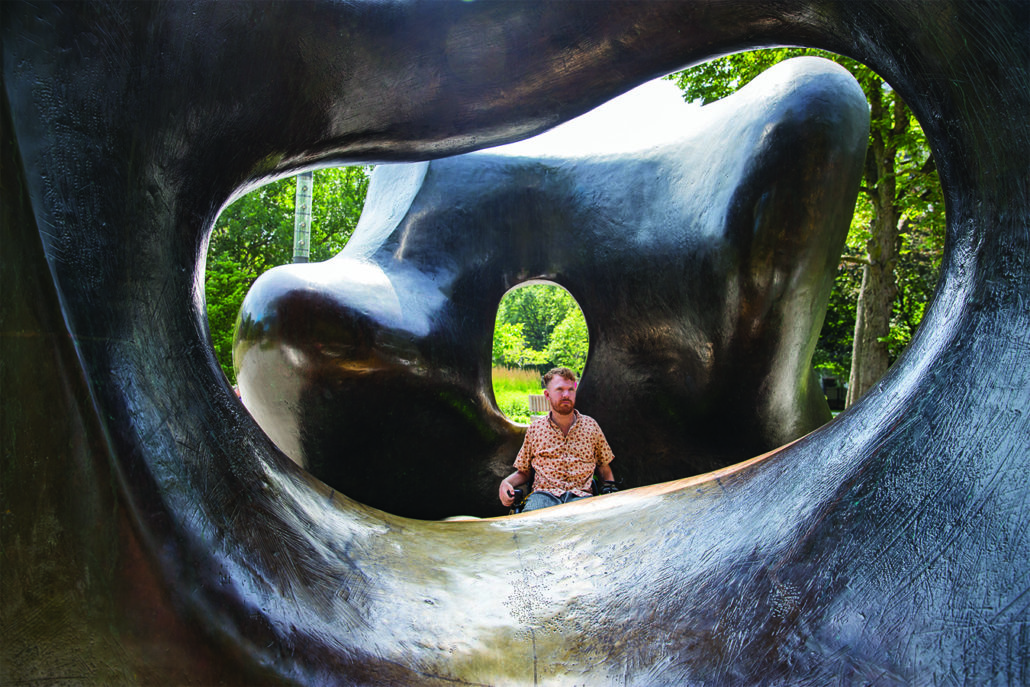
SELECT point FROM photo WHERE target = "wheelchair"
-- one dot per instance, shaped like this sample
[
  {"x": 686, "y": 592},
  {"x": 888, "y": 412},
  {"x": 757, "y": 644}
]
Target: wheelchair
[{"x": 597, "y": 488}]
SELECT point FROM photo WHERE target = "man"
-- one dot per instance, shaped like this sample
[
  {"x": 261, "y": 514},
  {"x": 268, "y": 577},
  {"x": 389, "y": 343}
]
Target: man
[{"x": 563, "y": 448}]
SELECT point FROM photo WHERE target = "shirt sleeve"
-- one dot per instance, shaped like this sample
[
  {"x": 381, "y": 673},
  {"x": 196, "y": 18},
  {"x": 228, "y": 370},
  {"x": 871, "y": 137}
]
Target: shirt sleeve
[
  {"x": 602, "y": 451},
  {"x": 524, "y": 460}
]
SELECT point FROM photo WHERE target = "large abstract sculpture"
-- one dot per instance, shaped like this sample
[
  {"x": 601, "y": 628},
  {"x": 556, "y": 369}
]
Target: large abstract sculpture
[
  {"x": 706, "y": 265},
  {"x": 151, "y": 533}
]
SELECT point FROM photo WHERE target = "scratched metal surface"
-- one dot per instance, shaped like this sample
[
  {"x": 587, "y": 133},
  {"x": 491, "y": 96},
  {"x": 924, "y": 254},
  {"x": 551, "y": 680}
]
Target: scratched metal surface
[{"x": 152, "y": 534}]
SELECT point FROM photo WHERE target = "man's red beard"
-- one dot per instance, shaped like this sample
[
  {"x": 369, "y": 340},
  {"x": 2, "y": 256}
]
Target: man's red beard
[{"x": 563, "y": 410}]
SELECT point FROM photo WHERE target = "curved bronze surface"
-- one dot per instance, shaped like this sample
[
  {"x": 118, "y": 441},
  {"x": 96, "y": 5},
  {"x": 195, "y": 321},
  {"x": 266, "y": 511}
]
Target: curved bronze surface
[
  {"x": 704, "y": 267},
  {"x": 151, "y": 533}
]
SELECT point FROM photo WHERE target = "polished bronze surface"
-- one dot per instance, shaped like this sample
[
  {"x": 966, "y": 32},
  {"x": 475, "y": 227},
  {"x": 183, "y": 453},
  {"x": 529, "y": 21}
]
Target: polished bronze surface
[
  {"x": 152, "y": 534},
  {"x": 703, "y": 267}
]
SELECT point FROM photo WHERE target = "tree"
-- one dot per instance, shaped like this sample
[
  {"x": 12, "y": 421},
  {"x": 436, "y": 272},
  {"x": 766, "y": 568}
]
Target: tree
[
  {"x": 540, "y": 325},
  {"x": 540, "y": 308},
  {"x": 897, "y": 230},
  {"x": 510, "y": 348},
  {"x": 255, "y": 234},
  {"x": 569, "y": 342}
]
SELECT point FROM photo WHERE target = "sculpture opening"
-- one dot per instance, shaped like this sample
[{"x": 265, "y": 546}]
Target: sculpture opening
[
  {"x": 256, "y": 233},
  {"x": 831, "y": 378},
  {"x": 704, "y": 264},
  {"x": 538, "y": 326},
  {"x": 713, "y": 404}
]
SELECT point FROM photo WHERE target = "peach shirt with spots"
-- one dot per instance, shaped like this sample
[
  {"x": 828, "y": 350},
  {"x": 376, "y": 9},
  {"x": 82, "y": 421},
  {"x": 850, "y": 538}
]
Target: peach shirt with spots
[{"x": 563, "y": 463}]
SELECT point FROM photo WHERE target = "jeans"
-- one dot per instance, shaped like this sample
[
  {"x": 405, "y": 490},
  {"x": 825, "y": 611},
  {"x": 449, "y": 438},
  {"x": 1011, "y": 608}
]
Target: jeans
[{"x": 544, "y": 499}]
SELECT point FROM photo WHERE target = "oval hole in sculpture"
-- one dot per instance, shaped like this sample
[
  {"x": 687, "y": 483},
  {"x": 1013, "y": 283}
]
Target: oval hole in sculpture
[
  {"x": 678, "y": 351},
  {"x": 539, "y": 325}
]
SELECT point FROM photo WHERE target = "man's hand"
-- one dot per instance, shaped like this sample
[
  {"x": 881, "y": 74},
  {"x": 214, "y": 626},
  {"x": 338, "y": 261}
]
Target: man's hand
[{"x": 506, "y": 493}]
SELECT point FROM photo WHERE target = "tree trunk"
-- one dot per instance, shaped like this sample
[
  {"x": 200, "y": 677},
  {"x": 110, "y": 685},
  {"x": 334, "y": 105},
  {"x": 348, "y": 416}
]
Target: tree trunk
[{"x": 869, "y": 354}]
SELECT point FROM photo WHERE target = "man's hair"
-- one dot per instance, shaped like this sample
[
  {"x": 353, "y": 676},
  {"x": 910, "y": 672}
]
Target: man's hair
[{"x": 563, "y": 372}]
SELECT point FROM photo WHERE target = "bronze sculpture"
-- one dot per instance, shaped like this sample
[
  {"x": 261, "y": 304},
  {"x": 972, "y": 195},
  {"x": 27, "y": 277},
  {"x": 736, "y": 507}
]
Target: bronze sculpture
[{"x": 152, "y": 534}]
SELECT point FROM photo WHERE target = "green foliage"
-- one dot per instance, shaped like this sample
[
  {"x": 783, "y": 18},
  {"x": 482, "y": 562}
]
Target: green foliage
[
  {"x": 515, "y": 408},
  {"x": 540, "y": 325},
  {"x": 724, "y": 76},
  {"x": 833, "y": 352},
  {"x": 226, "y": 285},
  {"x": 510, "y": 348},
  {"x": 539, "y": 307},
  {"x": 900, "y": 181},
  {"x": 570, "y": 342},
  {"x": 255, "y": 234},
  {"x": 512, "y": 389}
]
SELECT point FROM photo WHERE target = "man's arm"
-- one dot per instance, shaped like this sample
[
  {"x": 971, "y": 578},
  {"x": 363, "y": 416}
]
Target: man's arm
[
  {"x": 604, "y": 464},
  {"x": 506, "y": 492},
  {"x": 606, "y": 485}
]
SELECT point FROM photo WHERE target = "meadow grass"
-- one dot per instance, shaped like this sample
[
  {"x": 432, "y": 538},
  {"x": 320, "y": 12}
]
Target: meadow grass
[{"x": 512, "y": 388}]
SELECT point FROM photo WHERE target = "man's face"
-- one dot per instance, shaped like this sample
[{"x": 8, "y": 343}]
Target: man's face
[{"x": 561, "y": 393}]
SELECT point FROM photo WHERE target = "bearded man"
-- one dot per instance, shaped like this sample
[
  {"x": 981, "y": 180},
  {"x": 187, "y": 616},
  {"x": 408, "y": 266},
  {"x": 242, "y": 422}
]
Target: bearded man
[{"x": 561, "y": 451}]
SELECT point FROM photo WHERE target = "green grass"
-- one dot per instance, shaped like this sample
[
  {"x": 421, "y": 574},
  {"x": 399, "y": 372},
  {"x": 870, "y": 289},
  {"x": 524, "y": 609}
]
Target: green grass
[{"x": 512, "y": 389}]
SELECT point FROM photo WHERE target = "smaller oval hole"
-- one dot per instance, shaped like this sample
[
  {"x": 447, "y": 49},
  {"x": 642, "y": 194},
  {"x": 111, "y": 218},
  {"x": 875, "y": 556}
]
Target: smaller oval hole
[{"x": 539, "y": 325}]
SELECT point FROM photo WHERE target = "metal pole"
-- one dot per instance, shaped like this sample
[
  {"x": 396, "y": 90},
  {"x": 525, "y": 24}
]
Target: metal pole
[{"x": 302, "y": 217}]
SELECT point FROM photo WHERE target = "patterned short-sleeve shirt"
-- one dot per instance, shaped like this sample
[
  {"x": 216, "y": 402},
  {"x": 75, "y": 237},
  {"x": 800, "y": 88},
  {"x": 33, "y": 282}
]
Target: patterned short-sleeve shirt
[{"x": 563, "y": 462}]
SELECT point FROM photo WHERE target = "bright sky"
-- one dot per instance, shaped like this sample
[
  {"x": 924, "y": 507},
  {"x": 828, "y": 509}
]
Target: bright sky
[{"x": 647, "y": 115}]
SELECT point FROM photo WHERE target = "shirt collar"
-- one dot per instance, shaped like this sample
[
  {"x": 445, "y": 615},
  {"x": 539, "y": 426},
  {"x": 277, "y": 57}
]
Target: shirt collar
[{"x": 555, "y": 424}]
